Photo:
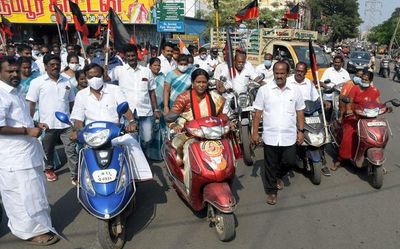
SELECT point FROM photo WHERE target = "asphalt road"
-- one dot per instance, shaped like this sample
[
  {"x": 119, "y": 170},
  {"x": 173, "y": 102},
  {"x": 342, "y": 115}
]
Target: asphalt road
[{"x": 343, "y": 212}]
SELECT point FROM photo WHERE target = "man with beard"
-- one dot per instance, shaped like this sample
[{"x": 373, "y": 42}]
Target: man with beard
[
  {"x": 167, "y": 63},
  {"x": 22, "y": 185}
]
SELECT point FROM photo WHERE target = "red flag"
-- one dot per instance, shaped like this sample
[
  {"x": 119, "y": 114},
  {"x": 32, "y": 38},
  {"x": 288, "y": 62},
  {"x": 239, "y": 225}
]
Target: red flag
[
  {"x": 61, "y": 19},
  {"x": 293, "y": 13},
  {"x": 98, "y": 30},
  {"x": 229, "y": 52},
  {"x": 250, "y": 11},
  {"x": 5, "y": 27},
  {"x": 79, "y": 22},
  {"x": 313, "y": 61},
  {"x": 118, "y": 31}
]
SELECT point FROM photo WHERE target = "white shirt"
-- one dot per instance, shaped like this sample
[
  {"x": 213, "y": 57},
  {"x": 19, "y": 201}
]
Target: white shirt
[
  {"x": 219, "y": 69},
  {"x": 52, "y": 97},
  {"x": 336, "y": 78},
  {"x": 240, "y": 81},
  {"x": 203, "y": 64},
  {"x": 136, "y": 84},
  {"x": 64, "y": 62},
  {"x": 71, "y": 79},
  {"x": 40, "y": 65},
  {"x": 268, "y": 72},
  {"x": 166, "y": 66},
  {"x": 87, "y": 108},
  {"x": 307, "y": 88},
  {"x": 279, "y": 108},
  {"x": 17, "y": 151}
]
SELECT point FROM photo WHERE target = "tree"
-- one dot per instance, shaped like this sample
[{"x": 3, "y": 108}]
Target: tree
[
  {"x": 340, "y": 15},
  {"x": 382, "y": 33}
]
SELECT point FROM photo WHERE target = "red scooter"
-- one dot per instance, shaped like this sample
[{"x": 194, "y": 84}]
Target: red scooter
[
  {"x": 372, "y": 137},
  {"x": 212, "y": 165}
]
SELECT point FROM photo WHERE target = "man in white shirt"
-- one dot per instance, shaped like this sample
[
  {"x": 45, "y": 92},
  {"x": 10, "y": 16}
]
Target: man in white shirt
[
  {"x": 137, "y": 83},
  {"x": 26, "y": 51},
  {"x": 22, "y": 184},
  {"x": 281, "y": 106},
  {"x": 203, "y": 60},
  {"x": 306, "y": 87},
  {"x": 99, "y": 102},
  {"x": 266, "y": 68},
  {"x": 167, "y": 63},
  {"x": 53, "y": 93}
]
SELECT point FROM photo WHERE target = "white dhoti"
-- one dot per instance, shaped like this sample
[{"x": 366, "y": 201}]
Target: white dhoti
[
  {"x": 25, "y": 201},
  {"x": 141, "y": 168}
]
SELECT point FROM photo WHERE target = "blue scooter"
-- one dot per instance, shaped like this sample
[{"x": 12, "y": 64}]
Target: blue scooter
[{"x": 106, "y": 186}]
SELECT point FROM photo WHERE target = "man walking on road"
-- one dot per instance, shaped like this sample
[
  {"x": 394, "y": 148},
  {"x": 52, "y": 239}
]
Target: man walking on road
[
  {"x": 281, "y": 106},
  {"x": 22, "y": 184}
]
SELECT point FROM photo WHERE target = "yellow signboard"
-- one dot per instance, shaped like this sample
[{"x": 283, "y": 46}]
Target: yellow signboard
[{"x": 42, "y": 11}]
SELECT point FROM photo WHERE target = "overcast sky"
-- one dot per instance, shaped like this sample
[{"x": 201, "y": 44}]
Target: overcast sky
[{"x": 388, "y": 7}]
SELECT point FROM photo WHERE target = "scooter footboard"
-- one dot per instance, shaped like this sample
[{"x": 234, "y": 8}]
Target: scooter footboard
[
  {"x": 220, "y": 196},
  {"x": 376, "y": 156}
]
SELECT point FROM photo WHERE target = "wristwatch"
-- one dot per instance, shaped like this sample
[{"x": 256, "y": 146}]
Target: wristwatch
[
  {"x": 132, "y": 121},
  {"x": 300, "y": 130}
]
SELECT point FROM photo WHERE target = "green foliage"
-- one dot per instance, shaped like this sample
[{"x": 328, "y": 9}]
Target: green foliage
[
  {"x": 341, "y": 16},
  {"x": 382, "y": 33}
]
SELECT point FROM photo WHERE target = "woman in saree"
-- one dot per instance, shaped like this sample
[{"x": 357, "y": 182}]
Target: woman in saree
[
  {"x": 360, "y": 94},
  {"x": 176, "y": 82},
  {"x": 197, "y": 102}
]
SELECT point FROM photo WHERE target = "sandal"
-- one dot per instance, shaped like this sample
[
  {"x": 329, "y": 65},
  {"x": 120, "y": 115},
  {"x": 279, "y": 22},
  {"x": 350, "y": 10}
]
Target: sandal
[
  {"x": 335, "y": 166},
  {"x": 272, "y": 199},
  {"x": 43, "y": 240}
]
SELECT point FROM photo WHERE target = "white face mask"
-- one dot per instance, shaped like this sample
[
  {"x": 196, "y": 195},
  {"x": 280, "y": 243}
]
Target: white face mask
[
  {"x": 96, "y": 82},
  {"x": 182, "y": 68},
  {"x": 203, "y": 56},
  {"x": 73, "y": 67}
]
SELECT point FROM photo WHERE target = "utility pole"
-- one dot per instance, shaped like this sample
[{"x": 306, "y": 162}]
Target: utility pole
[{"x": 393, "y": 40}]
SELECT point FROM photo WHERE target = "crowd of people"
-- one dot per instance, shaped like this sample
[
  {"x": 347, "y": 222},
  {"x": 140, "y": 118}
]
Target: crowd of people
[{"x": 38, "y": 80}]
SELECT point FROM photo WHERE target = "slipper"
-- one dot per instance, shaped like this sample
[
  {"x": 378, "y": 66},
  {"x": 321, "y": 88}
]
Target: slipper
[
  {"x": 272, "y": 199},
  {"x": 43, "y": 240},
  {"x": 280, "y": 184},
  {"x": 335, "y": 166}
]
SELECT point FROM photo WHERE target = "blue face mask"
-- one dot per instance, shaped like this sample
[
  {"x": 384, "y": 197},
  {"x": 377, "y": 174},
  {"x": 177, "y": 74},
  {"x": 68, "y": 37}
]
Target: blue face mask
[
  {"x": 268, "y": 63},
  {"x": 364, "y": 84},
  {"x": 356, "y": 80}
]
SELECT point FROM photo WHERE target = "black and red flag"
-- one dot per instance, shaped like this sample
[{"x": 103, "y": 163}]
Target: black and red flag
[
  {"x": 293, "y": 13},
  {"x": 229, "y": 53},
  {"x": 61, "y": 19},
  {"x": 6, "y": 27},
  {"x": 118, "y": 31},
  {"x": 313, "y": 62},
  {"x": 250, "y": 11},
  {"x": 79, "y": 21},
  {"x": 98, "y": 30}
]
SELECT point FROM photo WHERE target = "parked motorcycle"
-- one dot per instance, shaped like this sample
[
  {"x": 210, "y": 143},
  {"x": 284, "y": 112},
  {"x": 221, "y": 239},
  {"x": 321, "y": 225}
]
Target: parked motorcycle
[
  {"x": 212, "y": 169},
  {"x": 311, "y": 152},
  {"x": 106, "y": 186},
  {"x": 396, "y": 71},
  {"x": 384, "y": 69},
  {"x": 372, "y": 137}
]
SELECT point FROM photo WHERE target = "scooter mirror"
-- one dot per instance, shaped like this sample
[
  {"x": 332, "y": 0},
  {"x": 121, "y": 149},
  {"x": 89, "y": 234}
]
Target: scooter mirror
[
  {"x": 327, "y": 81},
  {"x": 122, "y": 108},
  {"x": 345, "y": 99},
  {"x": 395, "y": 102},
  {"x": 63, "y": 118}
]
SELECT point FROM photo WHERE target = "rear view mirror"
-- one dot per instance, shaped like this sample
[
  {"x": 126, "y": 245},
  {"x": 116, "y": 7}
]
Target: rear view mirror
[
  {"x": 345, "y": 99},
  {"x": 122, "y": 108},
  {"x": 395, "y": 102},
  {"x": 63, "y": 118},
  {"x": 327, "y": 81}
]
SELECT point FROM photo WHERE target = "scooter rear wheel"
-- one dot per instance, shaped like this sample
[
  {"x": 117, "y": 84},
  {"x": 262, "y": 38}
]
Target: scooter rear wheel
[
  {"x": 225, "y": 226},
  {"x": 108, "y": 236}
]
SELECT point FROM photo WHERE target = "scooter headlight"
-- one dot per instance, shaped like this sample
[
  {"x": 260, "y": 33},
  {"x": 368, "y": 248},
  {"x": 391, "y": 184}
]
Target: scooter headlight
[
  {"x": 316, "y": 139},
  {"x": 371, "y": 113},
  {"x": 96, "y": 139}
]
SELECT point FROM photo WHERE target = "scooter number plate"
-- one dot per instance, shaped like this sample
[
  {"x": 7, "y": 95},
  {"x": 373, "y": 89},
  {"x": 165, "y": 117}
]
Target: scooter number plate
[
  {"x": 374, "y": 124},
  {"x": 104, "y": 176},
  {"x": 312, "y": 120},
  {"x": 249, "y": 108}
]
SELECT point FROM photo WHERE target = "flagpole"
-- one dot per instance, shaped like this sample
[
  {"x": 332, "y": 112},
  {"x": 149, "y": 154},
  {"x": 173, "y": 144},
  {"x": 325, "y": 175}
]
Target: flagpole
[
  {"x": 107, "y": 45},
  {"x": 59, "y": 34},
  {"x": 80, "y": 41},
  {"x": 3, "y": 42}
]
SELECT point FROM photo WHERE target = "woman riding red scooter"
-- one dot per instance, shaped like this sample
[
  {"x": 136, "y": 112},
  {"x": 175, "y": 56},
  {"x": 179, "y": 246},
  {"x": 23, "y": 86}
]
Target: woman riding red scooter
[{"x": 362, "y": 93}]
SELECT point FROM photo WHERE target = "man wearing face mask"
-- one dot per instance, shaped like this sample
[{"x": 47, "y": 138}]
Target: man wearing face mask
[
  {"x": 99, "y": 102},
  {"x": 214, "y": 58},
  {"x": 363, "y": 93},
  {"x": 137, "y": 83},
  {"x": 71, "y": 49},
  {"x": 22, "y": 185},
  {"x": 203, "y": 60},
  {"x": 167, "y": 63},
  {"x": 266, "y": 68},
  {"x": 53, "y": 93}
]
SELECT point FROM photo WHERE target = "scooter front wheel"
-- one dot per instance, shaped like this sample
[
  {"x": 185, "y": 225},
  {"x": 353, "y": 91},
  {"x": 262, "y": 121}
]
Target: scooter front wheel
[
  {"x": 225, "y": 226},
  {"x": 315, "y": 172},
  {"x": 376, "y": 176},
  {"x": 108, "y": 235}
]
